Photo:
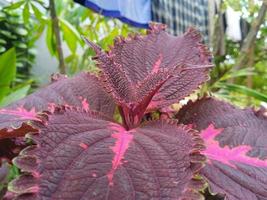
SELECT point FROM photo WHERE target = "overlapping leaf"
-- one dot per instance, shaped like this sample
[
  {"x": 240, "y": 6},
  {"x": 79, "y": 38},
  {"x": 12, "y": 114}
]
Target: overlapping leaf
[
  {"x": 81, "y": 155},
  {"x": 83, "y": 90},
  {"x": 9, "y": 148},
  {"x": 236, "y": 142},
  {"x": 173, "y": 67}
]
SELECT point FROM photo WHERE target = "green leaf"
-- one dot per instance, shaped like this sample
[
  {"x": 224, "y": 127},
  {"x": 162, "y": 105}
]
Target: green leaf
[
  {"x": 7, "y": 70},
  {"x": 38, "y": 14},
  {"x": 2, "y": 15},
  {"x": 14, "y": 6},
  {"x": 15, "y": 95},
  {"x": 41, "y": 2},
  {"x": 7, "y": 34},
  {"x": 39, "y": 29},
  {"x": 70, "y": 35},
  {"x": 2, "y": 49},
  {"x": 243, "y": 90},
  {"x": 21, "y": 31},
  {"x": 2, "y": 41},
  {"x": 19, "y": 65},
  {"x": 18, "y": 44},
  {"x": 50, "y": 39},
  {"x": 26, "y": 13},
  {"x": 235, "y": 74},
  {"x": 108, "y": 40}
]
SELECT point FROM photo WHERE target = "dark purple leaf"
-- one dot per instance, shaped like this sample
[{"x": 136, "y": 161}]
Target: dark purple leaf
[
  {"x": 153, "y": 70},
  {"x": 82, "y": 90},
  {"x": 13, "y": 122},
  {"x": 236, "y": 147},
  {"x": 81, "y": 155},
  {"x": 139, "y": 56},
  {"x": 10, "y": 196},
  {"x": 4, "y": 171}
]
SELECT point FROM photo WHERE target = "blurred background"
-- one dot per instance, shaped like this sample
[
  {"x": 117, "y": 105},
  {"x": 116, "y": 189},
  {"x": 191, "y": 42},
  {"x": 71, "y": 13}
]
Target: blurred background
[{"x": 41, "y": 37}]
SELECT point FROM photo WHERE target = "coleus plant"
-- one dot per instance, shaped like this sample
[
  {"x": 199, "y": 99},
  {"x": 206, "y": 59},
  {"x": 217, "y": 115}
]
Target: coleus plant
[{"x": 77, "y": 150}]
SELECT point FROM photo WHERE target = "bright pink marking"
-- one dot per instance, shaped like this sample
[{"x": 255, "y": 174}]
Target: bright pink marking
[
  {"x": 33, "y": 189},
  {"x": 152, "y": 106},
  {"x": 68, "y": 106},
  {"x": 10, "y": 130},
  {"x": 190, "y": 126},
  {"x": 225, "y": 154},
  {"x": 36, "y": 174},
  {"x": 157, "y": 64},
  {"x": 22, "y": 113},
  {"x": 85, "y": 104},
  {"x": 52, "y": 107},
  {"x": 83, "y": 145},
  {"x": 123, "y": 139},
  {"x": 94, "y": 175}
]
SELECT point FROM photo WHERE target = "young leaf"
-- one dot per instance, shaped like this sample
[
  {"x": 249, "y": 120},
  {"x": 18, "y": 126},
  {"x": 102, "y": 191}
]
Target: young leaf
[
  {"x": 83, "y": 90},
  {"x": 80, "y": 155},
  {"x": 140, "y": 56},
  {"x": 236, "y": 147},
  {"x": 130, "y": 68}
]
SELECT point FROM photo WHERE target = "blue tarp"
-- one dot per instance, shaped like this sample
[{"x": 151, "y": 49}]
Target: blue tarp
[{"x": 134, "y": 12}]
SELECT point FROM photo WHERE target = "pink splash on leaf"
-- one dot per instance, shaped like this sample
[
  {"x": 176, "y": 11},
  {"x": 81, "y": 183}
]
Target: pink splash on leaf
[
  {"x": 227, "y": 155},
  {"x": 36, "y": 174},
  {"x": 52, "y": 107},
  {"x": 191, "y": 126},
  {"x": 85, "y": 104},
  {"x": 83, "y": 145},
  {"x": 34, "y": 189},
  {"x": 157, "y": 64},
  {"x": 123, "y": 139},
  {"x": 153, "y": 105}
]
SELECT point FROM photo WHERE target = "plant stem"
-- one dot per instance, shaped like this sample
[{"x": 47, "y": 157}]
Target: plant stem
[
  {"x": 250, "y": 65},
  {"x": 56, "y": 30}
]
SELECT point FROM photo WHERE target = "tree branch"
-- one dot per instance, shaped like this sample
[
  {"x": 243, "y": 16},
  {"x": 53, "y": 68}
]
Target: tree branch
[
  {"x": 56, "y": 31},
  {"x": 251, "y": 37}
]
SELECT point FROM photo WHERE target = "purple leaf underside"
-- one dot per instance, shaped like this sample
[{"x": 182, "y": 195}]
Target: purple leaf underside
[
  {"x": 9, "y": 148},
  {"x": 80, "y": 155},
  {"x": 83, "y": 90},
  {"x": 236, "y": 147}
]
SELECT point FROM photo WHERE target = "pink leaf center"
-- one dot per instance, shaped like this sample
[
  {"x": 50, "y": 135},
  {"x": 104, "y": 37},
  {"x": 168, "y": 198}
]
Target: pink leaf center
[
  {"x": 225, "y": 154},
  {"x": 123, "y": 139},
  {"x": 21, "y": 113}
]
